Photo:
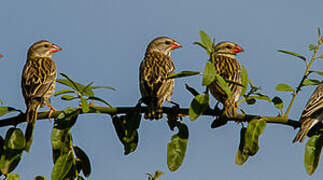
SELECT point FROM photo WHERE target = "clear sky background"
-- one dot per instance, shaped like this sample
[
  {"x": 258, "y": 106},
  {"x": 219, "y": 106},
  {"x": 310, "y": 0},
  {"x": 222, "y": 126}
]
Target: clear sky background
[{"x": 104, "y": 41}]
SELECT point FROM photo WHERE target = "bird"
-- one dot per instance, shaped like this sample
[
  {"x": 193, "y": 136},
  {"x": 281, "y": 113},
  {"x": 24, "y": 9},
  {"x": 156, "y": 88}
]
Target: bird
[
  {"x": 154, "y": 69},
  {"x": 38, "y": 82},
  {"x": 228, "y": 67},
  {"x": 312, "y": 113}
]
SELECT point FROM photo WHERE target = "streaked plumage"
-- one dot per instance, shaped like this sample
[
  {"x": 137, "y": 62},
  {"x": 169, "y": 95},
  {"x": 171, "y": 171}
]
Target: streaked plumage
[
  {"x": 156, "y": 66},
  {"x": 38, "y": 82},
  {"x": 228, "y": 67},
  {"x": 312, "y": 114}
]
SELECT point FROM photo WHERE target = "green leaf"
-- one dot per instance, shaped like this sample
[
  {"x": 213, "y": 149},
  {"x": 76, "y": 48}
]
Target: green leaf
[
  {"x": 249, "y": 140},
  {"x": 311, "y": 82},
  {"x": 40, "y": 178},
  {"x": 12, "y": 177},
  {"x": 244, "y": 80},
  {"x": 68, "y": 97},
  {"x": 202, "y": 45},
  {"x": 11, "y": 157},
  {"x": 67, "y": 118},
  {"x": 4, "y": 110},
  {"x": 183, "y": 74},
  {"x": 278, "y": 102},
  {"x": 9, "y": 160},
  {"x": 61, "y": 140},
  {"x": 261, "y": 97},
  {"x": 312, "y": 47},
  {"x": 209, "y": 74},
  {"x": 320, "y": 56},
  {"x": 176, "y": 148},
  {"x": 62, "y": 166},
  {"x": 103, "y": 87},
  {"x": 126, "y": 129},
  {"x": 241, "y": 157},
  {"x": 284, "y": 87},
  {"x": 84, "y": 90},
  {"x": 313, "y": 150},
  {"x": 85, "y": 105},
  {"x": 254, "y": 129},
  {"x": 85, "y": 162},
  {"x": 293, "y": 54},
  {"x": 199, "y": 104},
  {"x": 206, "y": 41},
  {"x": 15, "y": 139},
  {"x": 64, "y": 91},
  {"x": 101, "y": 100},
  {"x": 225, "y": 87}
]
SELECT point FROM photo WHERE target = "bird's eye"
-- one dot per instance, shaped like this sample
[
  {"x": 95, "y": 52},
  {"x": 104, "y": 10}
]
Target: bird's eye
[
  {"x": 168, "y": 42},
  {"x": 46, "y": 45},
  {"x": 229, "y": 47}
]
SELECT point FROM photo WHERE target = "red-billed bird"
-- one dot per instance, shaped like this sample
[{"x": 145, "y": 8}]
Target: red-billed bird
[
  {"x": 157, "y": 65},
  {"x": 312, "y": 114},
  {"x": 228, "y": 67},
  {"x": 38, "y": 82}
]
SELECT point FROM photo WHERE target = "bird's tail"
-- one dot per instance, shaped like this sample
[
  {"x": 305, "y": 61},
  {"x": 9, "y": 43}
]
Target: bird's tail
[
  {"x": 306, "y": 126},
  {"x": 31, "y": 117},
  {"x": 230, "y": 109},
  {"x": 154, "y": 110}
]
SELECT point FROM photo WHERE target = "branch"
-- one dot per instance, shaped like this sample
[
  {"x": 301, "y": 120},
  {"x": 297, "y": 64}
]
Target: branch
[
  {"x": 15, "y": 120},
  {"x": 306, "y": 73}
]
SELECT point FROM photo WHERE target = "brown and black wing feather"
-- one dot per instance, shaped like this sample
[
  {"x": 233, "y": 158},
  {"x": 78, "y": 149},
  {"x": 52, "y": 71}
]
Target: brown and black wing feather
[
  {"x": 154, "y": 86},
  {"x": 310, "y": 116},
  {"x": 229, "y": 69}
]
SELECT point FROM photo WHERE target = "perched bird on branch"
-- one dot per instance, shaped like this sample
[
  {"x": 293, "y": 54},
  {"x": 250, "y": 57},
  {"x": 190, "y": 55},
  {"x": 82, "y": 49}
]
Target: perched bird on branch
[
  {"x": 156, "y": 66},
  {"x": 312, "y": 114},
  {"x": 228, "y": 67},
  {"x": 38, "y": 82}
]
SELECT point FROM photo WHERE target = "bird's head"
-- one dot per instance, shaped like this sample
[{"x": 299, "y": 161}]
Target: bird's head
[
  {"x": 227, "y": 48},
  {"x": 163, "y": 45},
  {"x": 43, "y": 49}
]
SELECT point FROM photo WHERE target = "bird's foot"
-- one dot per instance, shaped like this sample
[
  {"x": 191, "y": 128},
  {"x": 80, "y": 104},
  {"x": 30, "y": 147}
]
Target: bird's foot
[{"x": 52, "y": 109}]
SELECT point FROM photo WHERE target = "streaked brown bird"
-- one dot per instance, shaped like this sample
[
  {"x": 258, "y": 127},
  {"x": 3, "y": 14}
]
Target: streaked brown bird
[
  {"x": 312, "y": 114},
  {"x": 228, "y": 67},
  {"x": 38, "y": 82},
  {"x": 154, "y": 69}
]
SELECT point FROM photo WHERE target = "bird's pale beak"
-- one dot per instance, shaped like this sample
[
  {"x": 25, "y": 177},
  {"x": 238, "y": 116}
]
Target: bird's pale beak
[
  {"x": 55, "y": 48},
  {"x": 237, "y": 49},
  {"x": 176, "y": 45}
]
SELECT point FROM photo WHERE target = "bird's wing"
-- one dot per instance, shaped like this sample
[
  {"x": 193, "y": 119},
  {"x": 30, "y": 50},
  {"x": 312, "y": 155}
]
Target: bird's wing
[
  {"x": 154, "y": 71},
  {"x": 38, "y": 77},
  {"x": 314, "y": 104},
  {"x": 229, "y": 69}
]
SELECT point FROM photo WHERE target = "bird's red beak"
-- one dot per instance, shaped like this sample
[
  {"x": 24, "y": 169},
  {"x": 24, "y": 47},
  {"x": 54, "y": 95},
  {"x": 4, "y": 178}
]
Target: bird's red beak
[
  {"x": 55, "y": 48},
  {"x": 237, "y": 49},
  {"x": 176, "y": 45},
  {"x": 1, "y": 55}
]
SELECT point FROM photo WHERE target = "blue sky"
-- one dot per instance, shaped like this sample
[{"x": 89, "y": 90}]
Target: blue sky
[{"x": 105, "y": 40}]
